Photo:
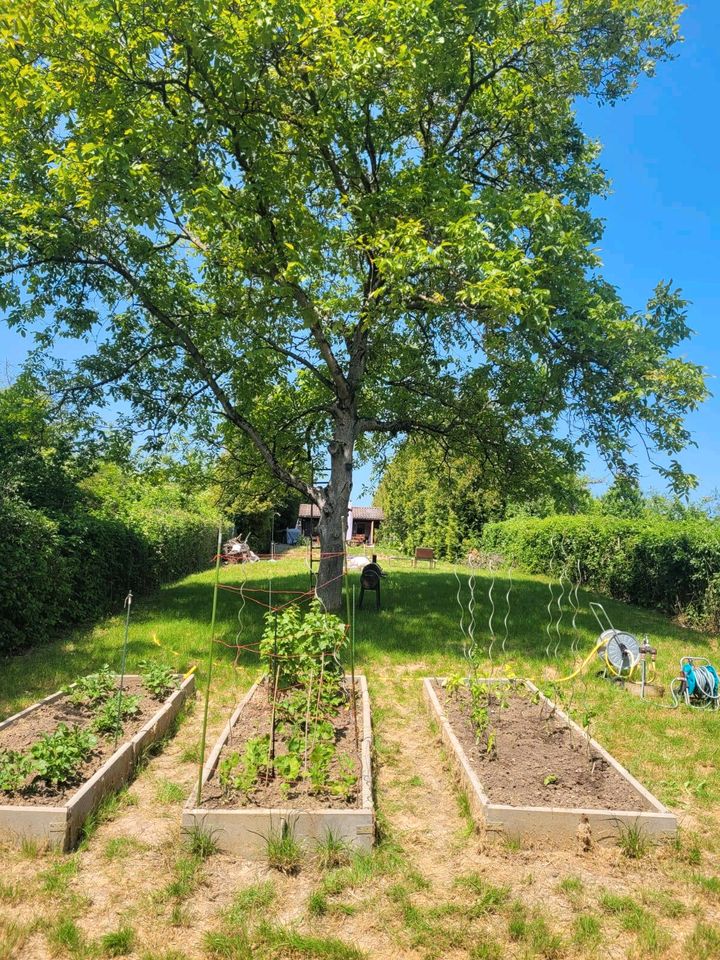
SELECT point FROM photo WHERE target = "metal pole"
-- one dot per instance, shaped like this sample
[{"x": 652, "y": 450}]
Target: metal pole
[
  {"x": 203, "y": 735},
  {"x": 127, "y": 604},
  {"x": 352, "y": 669}
]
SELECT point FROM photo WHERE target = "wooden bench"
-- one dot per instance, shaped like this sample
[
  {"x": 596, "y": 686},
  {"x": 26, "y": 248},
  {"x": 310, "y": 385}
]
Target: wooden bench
[{"x": 424, "y": 553}]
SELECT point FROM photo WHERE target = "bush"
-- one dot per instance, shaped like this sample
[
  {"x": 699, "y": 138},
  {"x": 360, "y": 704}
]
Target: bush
[
  {"x": 35, "y": 585},
  {"x": 73, "y": 569},
  {"x": 670, "y": 565}
]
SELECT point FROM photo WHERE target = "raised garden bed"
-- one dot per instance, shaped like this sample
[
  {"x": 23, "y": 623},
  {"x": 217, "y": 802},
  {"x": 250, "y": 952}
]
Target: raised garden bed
[
  {"x": 336, "y": 800},
  {"x": 531, "y": 771},
  {"x": 53, "y": 812}
]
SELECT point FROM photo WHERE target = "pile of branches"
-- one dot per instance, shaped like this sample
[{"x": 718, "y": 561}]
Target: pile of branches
[{"x": 238, "y": 551}]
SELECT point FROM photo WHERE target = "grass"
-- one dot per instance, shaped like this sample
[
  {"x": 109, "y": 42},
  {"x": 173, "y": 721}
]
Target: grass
[
  {"x": 168, "y": 792},
  {"x": 485, "y": 908},
  {"x": 201, "y": 843},
  {"x": 118, "y": 943},
  {"x": 282, "y": 850}
]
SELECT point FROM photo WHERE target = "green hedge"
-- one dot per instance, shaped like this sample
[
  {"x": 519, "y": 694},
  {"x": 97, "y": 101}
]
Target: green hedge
[
  {"x": 670, "y": 565},
  {"x": 60, "y": 572}
]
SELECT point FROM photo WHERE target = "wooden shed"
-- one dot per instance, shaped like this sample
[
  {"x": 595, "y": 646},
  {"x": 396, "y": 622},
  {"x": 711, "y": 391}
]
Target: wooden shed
[{"x": 362, "y": 522}]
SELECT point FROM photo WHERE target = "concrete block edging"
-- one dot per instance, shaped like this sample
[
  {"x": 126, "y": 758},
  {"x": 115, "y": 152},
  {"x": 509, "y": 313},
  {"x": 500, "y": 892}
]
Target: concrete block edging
[
  {"x": 59, "y": 826},
  {"x": 546, "y": 823},
  {"x": 243, "y": 831}
]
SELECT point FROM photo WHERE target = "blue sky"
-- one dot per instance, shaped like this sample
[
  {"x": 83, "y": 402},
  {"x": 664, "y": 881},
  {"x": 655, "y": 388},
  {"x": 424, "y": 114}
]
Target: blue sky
[{"x": 662, "y": 153}]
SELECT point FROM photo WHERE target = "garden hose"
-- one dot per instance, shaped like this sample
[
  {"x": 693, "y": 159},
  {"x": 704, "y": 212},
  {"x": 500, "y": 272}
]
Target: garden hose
[{"x": 609, "y": 666}]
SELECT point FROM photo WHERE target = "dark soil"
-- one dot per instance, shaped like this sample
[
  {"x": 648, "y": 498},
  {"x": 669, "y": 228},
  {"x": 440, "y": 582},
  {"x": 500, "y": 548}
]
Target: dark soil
[
  {"x": 22, "y": 734},
  {"x": 254, "y": 721},
  {"x": 530, "y": 747}
]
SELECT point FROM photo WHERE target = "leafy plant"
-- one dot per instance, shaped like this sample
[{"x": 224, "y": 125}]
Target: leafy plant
[
  {"x": 92, "y": 689},
  {"x": 158, "y": 678},
  {"x": 241, "y": 772},
  {"x": 109, "y": 718},
  {"x": 57, "y": 756},
  {"x": 15, "y": 768},
  {"x": 303, "y": 644}
]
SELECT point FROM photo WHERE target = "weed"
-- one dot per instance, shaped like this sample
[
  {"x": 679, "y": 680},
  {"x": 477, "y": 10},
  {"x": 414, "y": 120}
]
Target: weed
[
  {"x": 30, "y": 848},
  {"x": 186, "y": 877},
  {"x": 489, "y": 898},
  {"x": 708, "y": 884},
  {"x": 488, "y": 949},
  {"x": 633, "y": 841},
  {"x": 332, "y": 851},
  {"x": 587, "y": 930},
  {"x": 165, "y": 955},
  {"x": 571, "y": 885},
  {"x": 191, "y": 754},
  {"x": 512, "y": 844},
  {"x": 65, "y": 935},
  {"x": 465, "y": 811},
  {"x": 283, "y": 851},
  {"x": 634, "y": 918},
  {"x": 291, "y": 943},
  {"x": 9, "y": 892},
  {"x": 168, "y": 792},
  {"x": 534, "y": 931},
  {"x": 200, "y": 842},
  {"x": 686, "y": 847},
  {"x": 246, "y": 902},
  {"x": 317, "y": 904},
  {"x": 12, "y": 939},
  {"x": 56, "y": 879},
  {"x": 118, "y": 943},
  {"x": 228, "y": 946},
  {"x": 703, "y": 943},
  {"x": 117, "y": 848}
]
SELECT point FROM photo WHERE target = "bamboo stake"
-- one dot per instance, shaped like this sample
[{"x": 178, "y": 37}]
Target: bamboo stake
[
  {"x": 352, "y": 671},
  {"x": 203, "y": 734},
  {"x": 128, "y": 604},
  {"x": 276, "y": 680}
]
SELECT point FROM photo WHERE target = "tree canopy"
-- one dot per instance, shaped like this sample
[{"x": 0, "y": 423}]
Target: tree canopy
[{"x": 322, "y": 225}]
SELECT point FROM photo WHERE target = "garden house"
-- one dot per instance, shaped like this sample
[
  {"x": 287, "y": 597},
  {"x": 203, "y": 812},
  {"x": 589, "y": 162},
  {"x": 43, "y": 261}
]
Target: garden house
[{"x": 362, "y": 522}]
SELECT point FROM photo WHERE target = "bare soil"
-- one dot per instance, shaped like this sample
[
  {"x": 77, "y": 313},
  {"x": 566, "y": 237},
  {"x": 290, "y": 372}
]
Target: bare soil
[
  {"x": 537, "y": 759},
  {"x": 28, "y": 729},
  {"x": 255, "y": 721}
]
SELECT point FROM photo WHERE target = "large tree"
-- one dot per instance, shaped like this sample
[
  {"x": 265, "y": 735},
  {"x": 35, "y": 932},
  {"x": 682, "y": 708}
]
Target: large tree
[{"x": 330, "y": 222}]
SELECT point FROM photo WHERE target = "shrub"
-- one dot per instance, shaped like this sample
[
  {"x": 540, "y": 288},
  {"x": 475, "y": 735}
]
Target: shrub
[
  {"x": 73, "y": 568},
  {"x": 671, "y": 565}
]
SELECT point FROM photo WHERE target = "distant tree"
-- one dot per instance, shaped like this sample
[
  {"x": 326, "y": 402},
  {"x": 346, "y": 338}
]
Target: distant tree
[
  {"x": 442, "y": 499},
  {"x": 333, "y": 224}
]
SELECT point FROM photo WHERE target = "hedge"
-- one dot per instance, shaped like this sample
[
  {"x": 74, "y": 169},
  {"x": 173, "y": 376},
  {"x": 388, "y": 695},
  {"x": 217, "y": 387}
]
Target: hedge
[
  {"x": 62, "y": 571},
  {"x": 670, "y": 565}
]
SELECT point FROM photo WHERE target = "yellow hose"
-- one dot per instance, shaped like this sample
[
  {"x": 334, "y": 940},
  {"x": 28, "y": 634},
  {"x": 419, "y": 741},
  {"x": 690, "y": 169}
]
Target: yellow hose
[{"x": 608, "y": 666}]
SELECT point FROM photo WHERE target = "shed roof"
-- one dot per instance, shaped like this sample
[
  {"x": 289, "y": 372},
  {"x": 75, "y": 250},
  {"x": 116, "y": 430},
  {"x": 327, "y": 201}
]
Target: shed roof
[{"x": 359, "y": 513}]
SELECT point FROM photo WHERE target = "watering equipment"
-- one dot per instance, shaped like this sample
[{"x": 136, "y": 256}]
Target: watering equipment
[
  {"x": 698, "y": 684},
  {"x": 624, "y": 659}
]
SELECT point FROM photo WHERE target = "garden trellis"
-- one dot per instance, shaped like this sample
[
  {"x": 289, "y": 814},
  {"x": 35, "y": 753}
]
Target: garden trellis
[{"x": 278, "y": 604}]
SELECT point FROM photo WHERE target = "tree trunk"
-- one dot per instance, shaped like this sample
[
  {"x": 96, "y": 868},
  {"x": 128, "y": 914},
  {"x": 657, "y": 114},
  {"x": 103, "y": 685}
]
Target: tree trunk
[{"x": 333, "y": 520}]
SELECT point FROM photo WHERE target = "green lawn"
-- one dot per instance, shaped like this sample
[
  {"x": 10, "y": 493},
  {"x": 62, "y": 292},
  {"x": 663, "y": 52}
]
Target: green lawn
[
  {"x": 419, "y": 894},
  {"x": 418, "y": 629}
]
